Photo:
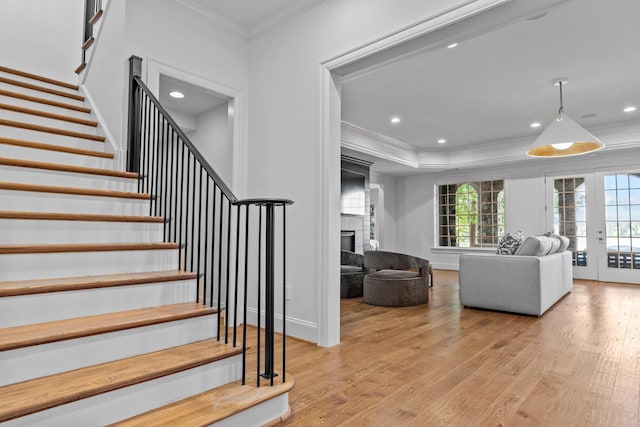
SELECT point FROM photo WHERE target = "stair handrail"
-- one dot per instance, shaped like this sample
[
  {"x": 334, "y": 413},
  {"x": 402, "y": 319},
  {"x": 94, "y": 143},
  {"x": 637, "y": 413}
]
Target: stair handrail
[{"x": 157, "y": 149}]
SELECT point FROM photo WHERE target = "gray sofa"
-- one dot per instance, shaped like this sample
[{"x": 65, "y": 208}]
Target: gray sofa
[
  {"x": 351, "y": 274},
  {"x": 515, "y": 283}
]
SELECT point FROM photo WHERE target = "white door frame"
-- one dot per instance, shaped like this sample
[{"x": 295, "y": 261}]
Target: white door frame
[
  {"x": 329, "y": 183},
  {"x": 236, "y": 112}
]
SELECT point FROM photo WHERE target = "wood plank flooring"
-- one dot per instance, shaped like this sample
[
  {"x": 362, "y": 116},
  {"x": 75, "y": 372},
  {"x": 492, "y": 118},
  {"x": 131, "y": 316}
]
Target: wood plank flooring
[{"x": 444, "y": 365}]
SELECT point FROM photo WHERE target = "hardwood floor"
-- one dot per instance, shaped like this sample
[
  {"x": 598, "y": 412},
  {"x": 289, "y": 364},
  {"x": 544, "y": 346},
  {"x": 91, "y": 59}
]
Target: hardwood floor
[{"x": 444, "y": 365}]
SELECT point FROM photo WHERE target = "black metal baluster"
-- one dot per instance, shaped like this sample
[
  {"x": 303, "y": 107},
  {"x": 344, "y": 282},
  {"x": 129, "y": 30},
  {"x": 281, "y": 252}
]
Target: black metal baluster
[
  {"x": 174, "y": 218},
  {"x": 213, "y": 249},
  {"x": 170, "y": 193},
  {"x": 235, "y": 292},
  {"x": 156, "y": 161},
  {"x": 148, "y": 148},
  {"x": 220, "y": 262},
  {"x": 206, "y": 239},
  {"x": 180, "y": 201},
  {"x": 246, "y": 283},
  {"x": 284, "y": 291},
  {"x": 259, "y": 289},
  {"x": 199, "y": 230},
  {"x": 186, "y": 213},
  {"x": 226, "y": 305},
  {"x": 193, "y": 213}
]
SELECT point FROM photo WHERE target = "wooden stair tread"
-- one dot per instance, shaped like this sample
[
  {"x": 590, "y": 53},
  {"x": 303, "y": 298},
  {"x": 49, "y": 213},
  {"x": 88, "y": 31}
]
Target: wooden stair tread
[
  {"x": 27, "y": 287},
  {"x": 38, "y": 394},
  {"x": 72, "y": 190},
  {"x": 65, "y": 216},
  {"x": 52, "y": 147},
  {"x": 38, "y": 77},
  {"x": 41, "y": 89},
  {"x": 87, "y": 44},
  {"x": 48, "y": 115},
  {"x": 66, "y": 168},
  {"x": 60, "y": 330},
  {"x": 44, "y": 101},
  {"x": 96, "y": 17},
  {"x": 210, "y": 406},
  {"x": 48, "y": 129},
  {"x": 80, "y": 68},
  {"x": 84, "y": 247}
]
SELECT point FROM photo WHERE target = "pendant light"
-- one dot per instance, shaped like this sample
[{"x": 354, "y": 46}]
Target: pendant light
[{"x": 563, "y": 136}]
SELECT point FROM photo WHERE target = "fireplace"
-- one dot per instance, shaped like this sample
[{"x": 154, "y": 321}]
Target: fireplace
[{"x": 348, "y": 240}]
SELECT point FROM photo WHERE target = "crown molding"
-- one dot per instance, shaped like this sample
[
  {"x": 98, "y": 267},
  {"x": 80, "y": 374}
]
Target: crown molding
[
  {"x": 396, "y": 143},
  {"x": 378, "y": 153},
  {"x": 281, "y": 17},
  {"x": 216, "y": 18},
  {"x": 271, "y": 22}
]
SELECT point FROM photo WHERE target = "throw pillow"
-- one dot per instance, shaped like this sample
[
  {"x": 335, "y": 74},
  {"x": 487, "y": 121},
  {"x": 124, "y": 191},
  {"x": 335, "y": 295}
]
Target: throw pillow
[{"x": 509, "y": 244}]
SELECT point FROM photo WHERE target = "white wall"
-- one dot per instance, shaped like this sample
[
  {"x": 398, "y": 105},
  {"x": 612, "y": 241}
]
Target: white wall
[
  {"x": 285, "y": 142},
  {"x": 524, "y": 199},
  {"x": 213, "y": 139},
  {"x": 166, "y": 33},
  {"x": 42, "y": 36}
]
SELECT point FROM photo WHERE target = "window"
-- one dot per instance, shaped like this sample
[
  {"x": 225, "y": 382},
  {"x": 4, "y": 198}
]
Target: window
[
  {"x": 570, "y": 215},
  {"x": 471, "y": 214}
]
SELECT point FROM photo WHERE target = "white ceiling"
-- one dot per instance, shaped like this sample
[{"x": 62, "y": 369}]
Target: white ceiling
[
  {"x": 491, "y": 87},
  {"x": 196, "y": 99}
]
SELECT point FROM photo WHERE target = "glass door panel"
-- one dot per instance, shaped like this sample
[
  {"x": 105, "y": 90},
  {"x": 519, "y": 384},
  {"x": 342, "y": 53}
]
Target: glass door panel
[
  {"x": 620, "y": 237},
  {"x": 571, "y": 198}
]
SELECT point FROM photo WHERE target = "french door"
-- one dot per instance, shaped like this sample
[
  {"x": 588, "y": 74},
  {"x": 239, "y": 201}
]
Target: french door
[{"x": 600, "y": 214}]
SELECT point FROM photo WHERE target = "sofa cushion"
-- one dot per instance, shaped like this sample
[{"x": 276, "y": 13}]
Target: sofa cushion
[
  {"x": 509, "y": 244},
  {"x": 564, "y": 241},
  {"x": 350, "y": 269},
  {"x": 394, "y": 274},
  {"x": 537, "y": 246}
]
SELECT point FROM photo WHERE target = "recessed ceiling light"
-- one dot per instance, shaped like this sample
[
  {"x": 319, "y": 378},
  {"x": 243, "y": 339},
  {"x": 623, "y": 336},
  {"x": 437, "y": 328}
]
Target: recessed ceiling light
[
  {"x": 589, "y": 115},
  {"x": 395, "y": 120},
  {"x": 629, "y": 109},
  {"x": 535, "y": 125},
  {"x": 442, "y": 141},
  {"x": 452, "y": 45},
  {"x": 176, "y": 94}
]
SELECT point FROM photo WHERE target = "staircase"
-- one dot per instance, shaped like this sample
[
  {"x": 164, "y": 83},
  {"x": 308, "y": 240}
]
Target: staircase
[{"x": 99, "y": 324}]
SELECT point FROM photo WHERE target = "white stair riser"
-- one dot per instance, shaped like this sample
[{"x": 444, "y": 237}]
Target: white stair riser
[
  {"x": 37, "y": 82},
  {"x": 33, "y": 105},
  {"x": 48, "y": 265},
  {"x": 258, "y": 415},
  {"x": 51, "y": 138},
  {"x": 48, "y": 359},
  {"x": 26, "y": 175},
  {"x": 124, "y": 403},
  {"x": 39, "y": 94},
  {"x": 27, "y": 231},
  {"x": 38, "y": 308},
  {"x": 33, "y": 201},
  {"x": 60, "y": 157},
  {"x": 45, "y": 121}
]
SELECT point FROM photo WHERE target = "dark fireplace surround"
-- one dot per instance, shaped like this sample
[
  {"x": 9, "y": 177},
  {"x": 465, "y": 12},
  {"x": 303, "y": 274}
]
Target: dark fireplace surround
[{"x": 348, "y": 240}]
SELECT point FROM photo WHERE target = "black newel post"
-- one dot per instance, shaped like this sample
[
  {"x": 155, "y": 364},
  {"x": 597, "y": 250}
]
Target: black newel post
[
  {"x": 133, "y": 132},
  {"x": 269, "y": 295}
]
